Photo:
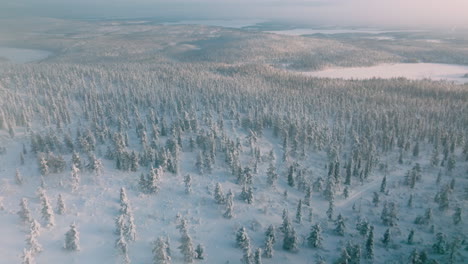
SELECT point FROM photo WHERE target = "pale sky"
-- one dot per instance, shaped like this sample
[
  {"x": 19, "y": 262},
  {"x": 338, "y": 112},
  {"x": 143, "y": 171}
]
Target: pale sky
[{"x": 409, "y": 13}]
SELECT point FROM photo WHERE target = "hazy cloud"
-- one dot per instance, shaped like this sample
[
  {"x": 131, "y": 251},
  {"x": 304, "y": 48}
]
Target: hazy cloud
[{"x": 411, "y": 13}]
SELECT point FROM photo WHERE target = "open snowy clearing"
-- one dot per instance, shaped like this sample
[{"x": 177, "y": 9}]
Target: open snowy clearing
[
  {"x": 23, "y": 55},
  {"x": 414, "y": 71}
]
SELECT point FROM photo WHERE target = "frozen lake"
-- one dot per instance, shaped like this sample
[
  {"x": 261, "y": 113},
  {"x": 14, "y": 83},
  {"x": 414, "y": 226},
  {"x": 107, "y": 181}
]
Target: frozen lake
[
  {"x": 218, "y": 23},
  {"x": 414, "y": 71},
  {"x": 23, "y": 55},
  {"x": 332, "y": 31}
]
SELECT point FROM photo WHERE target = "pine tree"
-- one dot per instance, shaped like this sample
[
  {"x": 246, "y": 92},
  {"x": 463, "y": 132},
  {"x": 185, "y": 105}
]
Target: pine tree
[
  {"x": 160, "y": 252},
  {"x": 315, "y": 237},
  {"x": 72, "y": 239},
  {"x": 60, "y": 205},
  {"x": 340, "y": 228},
  {"x": 24, "y": 212}
]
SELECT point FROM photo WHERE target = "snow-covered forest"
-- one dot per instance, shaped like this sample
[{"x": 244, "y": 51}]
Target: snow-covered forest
[{"x": 198, "y": 144}]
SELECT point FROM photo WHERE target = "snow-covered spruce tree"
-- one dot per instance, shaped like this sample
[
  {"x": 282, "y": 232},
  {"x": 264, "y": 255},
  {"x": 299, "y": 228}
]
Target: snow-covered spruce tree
[
  {"x": 268, "y": 248},
  {"x": 130, "y": 228},
  {"x": 27, "y": 257},
  {"x": 315, "y": 237},
  {"x": 186, "y": 247},
  {"x": 440, "y": 246},
  {"x": 43, "y": 167},
  {"x": 308, "y": 194},
  {"x": 389, "y": 214},
  {"x": 120, "y": 224},
  {"x": 33, "y": 244},
  {"x": 345, "y": 258},
  {"x": 457, "y": 216},
  {"x": 188, "y": 183},
  {"x": 24, "y": 212},
  {"x": 376, "y": 199},
  {"x": 47, "y": 212},
  {"x": 123, "y": 198},
  {"x": 290, "y": 241},
  {"x": 229, "y": 212},
  {"x": 160, "y": 252},
  {"x": 272, "y": 176},
  {"x": 369, "y": 253},
  {"x": 35, "y": 228},
  {"x": 18, "y": 177},
  {"x": 76, "y": 160},
  {"x": 410, "y": 239},
  {"x": 383, "y": 184},
  {"x": 299, "y": 212},
  {"x": 354, "y": 251},
  {"x": 331, "y": 209},
  {"x": 75, "y": 177},
  {"x": 122, "y": 248},
  {"x": 247, "y": 256},
  {"x": 242, "y": 239},
  {"x": 258, "y": 256},
  {"x": 60, "y": 205},
  {"x": 121, "y": 245},
  {"x": 200, "y": 252},
  {"x": 72, "y": 239},
  {"x": 291, "y": 176},
  {"x": 340, "y": 228},
  {"x": 218, "y": 194},
  {"x": 386, "y": 237}
]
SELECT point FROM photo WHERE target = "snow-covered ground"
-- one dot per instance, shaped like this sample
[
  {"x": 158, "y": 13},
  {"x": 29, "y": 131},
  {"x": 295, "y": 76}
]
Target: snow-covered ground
[
  {"x": 23, "y": 55},
  {"x": 415, "y": 71},
  {"x": 218, "y": 23}
]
